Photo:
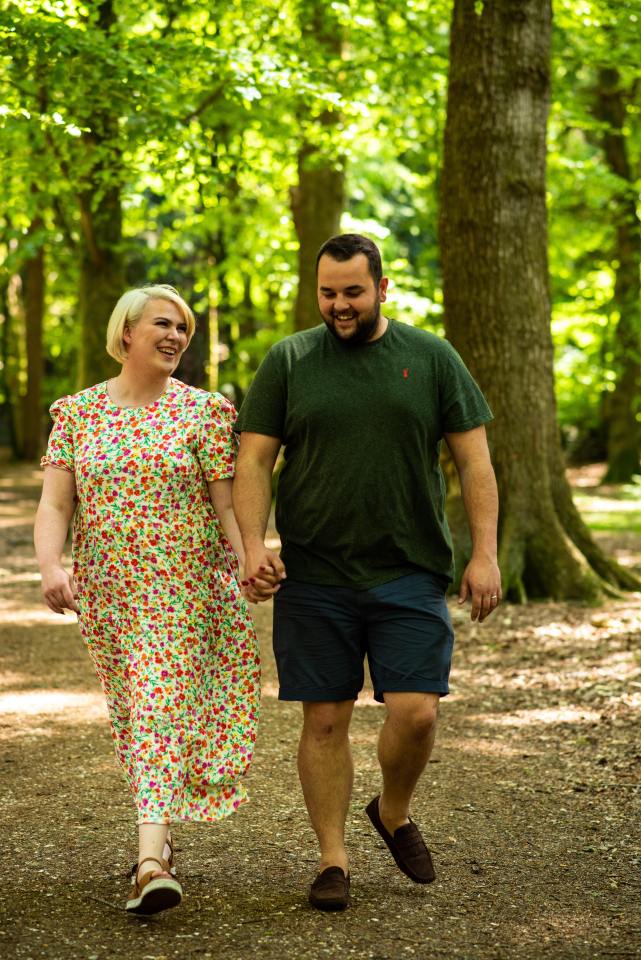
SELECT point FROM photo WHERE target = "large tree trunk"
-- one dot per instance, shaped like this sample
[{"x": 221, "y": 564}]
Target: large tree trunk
[
  {"x": 318, "y": 199},
  {"x": 33, "y": 291},
  {"x": 493, "y": 233},
  {"x": 102, "y": 271},
  {"x": 622, "y": 405}
]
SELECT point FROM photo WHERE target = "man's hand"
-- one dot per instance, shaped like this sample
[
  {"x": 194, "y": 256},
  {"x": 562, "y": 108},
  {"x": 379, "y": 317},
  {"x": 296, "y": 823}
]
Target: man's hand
[
  {"x": 59, "y": 590},
  {"x": 264, "y": 571},
  {"x": 481, "y": 581}
]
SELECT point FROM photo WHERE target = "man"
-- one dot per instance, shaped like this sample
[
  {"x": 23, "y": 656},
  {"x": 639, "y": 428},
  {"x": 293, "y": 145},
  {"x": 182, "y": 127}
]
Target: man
[{"x": 360, "y": 404}]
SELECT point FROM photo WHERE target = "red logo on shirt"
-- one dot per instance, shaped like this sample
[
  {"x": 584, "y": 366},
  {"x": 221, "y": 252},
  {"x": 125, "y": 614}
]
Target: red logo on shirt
[{"x": 406, "y": 372}]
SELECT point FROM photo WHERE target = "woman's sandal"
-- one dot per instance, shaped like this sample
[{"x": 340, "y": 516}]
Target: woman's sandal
[
  {"x": 133, "y": 873},
  {"x": 156, "y": 890}
]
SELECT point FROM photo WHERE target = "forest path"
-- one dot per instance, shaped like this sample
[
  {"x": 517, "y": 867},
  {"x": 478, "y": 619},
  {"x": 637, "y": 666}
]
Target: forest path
[{"x": 530, "y": 804}]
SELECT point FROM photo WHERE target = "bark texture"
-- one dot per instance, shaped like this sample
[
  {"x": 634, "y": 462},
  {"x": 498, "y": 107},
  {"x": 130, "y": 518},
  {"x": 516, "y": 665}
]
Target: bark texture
[
  {"x": 318, "y": 199},
  {"x": 622, "y": 405},
  {"x": 493, "y": 235},
  {"x": 33, "y": 292},
  {"x": 317, "y": 204},
  {"x": 102, "y": 271}
]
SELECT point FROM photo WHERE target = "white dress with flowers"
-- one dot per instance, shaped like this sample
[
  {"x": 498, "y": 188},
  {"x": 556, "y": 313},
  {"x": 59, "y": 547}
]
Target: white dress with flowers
[{"x": 160, "y": 607}]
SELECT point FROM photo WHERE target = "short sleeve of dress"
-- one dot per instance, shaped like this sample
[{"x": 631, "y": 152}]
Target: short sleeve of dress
[
  {"x": 217, "y": 442},
  {"x": 60, "y": 448}
]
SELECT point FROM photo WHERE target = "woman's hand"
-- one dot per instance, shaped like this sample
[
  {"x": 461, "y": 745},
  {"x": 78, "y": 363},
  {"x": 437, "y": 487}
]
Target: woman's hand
[
  {"x": 59, "y": 590},
  {"x": 264, "y": 571}
]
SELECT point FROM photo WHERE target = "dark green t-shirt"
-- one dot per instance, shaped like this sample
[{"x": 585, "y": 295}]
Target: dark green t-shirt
[{"x": 361, "y": 495}]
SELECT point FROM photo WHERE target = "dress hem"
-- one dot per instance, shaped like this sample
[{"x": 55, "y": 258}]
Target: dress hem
[{"x": 192, "y": 818}]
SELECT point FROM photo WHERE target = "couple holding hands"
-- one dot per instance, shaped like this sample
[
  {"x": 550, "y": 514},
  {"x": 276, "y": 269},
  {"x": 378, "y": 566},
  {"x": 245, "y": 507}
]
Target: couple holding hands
[{"x": 168, "y": 505}]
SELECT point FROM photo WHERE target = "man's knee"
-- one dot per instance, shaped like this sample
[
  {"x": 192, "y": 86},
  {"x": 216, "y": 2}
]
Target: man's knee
[
  {"x": 325, "y": 721},
  {"x": 415, "y": 714}
]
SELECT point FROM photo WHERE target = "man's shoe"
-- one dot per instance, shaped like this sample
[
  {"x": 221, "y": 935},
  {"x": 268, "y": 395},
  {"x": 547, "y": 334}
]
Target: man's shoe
[
  {"x": 330, "y": 890},
  {"x": 406, "y": 846}
]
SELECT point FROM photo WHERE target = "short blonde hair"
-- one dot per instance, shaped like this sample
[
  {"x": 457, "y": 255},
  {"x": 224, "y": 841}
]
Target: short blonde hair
[{"x": 128, "y": 312}]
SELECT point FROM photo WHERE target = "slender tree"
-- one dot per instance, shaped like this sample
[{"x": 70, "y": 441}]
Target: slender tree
[
  {"x": 622, "y": 406},
  {"x": 318, "y": 198},
  {"x": 102, "y": 271},
  {"x": 33, "y": 293},
  {"x": 493, "y": 238}
]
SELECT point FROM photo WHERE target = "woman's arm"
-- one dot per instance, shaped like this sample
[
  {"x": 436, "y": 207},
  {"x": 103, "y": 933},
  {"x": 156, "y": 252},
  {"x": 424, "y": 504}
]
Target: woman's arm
[
  {"x": 55, "y": 511},
  {"x": 220, "y": 496}
]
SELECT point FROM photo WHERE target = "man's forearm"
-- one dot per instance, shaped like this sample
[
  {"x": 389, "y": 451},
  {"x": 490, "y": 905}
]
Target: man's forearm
[
  {"x": 252, "y": 496},
  {"x": 481, "y": 501}
]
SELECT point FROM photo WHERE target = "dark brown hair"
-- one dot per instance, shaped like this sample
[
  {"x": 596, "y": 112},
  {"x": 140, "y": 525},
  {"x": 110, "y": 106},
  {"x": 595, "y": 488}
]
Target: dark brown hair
[{"x": 348, "y": 245}]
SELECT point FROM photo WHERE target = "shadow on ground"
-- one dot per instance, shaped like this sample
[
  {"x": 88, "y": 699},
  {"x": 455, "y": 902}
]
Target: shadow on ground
[{"x": 530, "y": 803}]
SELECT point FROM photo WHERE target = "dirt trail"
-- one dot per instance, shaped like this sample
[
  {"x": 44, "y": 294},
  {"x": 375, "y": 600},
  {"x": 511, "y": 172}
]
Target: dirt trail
[{"x": 531, "y": 803}]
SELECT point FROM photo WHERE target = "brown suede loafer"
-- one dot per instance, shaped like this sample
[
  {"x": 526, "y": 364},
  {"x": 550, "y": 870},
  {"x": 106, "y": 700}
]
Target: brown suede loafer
[
  {"x": 330, "y": 890},
  {"x": 406, "y": 846}
]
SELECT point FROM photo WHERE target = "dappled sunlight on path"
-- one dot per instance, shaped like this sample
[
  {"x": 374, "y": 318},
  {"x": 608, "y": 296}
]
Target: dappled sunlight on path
[{"x": 531, "y": 801}]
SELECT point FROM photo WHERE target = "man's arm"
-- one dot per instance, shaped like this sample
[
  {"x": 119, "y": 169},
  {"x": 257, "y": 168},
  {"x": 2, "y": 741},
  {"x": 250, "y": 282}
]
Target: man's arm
[
  {"x": 252, "y": 496},
  {"x": 481, "y": 578}
]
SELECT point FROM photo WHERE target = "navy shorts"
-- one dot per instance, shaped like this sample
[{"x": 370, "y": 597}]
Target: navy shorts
[{"x": 322, "y": 635}]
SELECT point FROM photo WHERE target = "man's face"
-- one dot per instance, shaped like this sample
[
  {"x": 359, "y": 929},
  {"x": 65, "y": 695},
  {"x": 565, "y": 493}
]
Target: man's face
[{"x": 348, "y": 299}]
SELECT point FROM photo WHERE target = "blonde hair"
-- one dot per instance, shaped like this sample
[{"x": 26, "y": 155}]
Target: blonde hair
[{"x": 128, "y": 311}]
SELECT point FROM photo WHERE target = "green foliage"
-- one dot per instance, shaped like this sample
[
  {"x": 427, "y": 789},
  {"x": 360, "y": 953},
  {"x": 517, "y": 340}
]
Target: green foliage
[
  {"x": 195, "y": 113},
  {"x": 588, "y": 37}
]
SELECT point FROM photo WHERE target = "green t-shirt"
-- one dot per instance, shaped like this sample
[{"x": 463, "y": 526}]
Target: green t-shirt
[{"x": 361, "y": 494}]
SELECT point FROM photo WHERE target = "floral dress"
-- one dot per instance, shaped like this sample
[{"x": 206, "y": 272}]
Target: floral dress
[{"x": 161, "y": 611}]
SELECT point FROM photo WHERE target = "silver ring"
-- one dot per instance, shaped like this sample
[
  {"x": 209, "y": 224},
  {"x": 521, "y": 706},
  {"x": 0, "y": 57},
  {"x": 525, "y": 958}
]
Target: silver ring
[{"x": 495, "y": 597}]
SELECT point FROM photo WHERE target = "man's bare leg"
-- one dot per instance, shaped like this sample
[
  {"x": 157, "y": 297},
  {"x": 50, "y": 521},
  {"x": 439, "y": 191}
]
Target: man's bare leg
[
  {"x": 326, "y": 775},
  {"x": 404, "y": 747}
]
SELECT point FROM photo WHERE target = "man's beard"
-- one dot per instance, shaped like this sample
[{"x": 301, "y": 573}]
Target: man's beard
[{"x": 365, "y": 326}]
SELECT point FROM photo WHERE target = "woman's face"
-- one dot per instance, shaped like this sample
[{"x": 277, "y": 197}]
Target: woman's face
[{"x": 159, "y": 339}]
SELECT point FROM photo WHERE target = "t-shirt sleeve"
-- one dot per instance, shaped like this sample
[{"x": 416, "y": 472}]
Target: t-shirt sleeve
[
  {"x": 60, "y": 447},
  {"x": 264, "y": 408},
  {"x": 463, "y": 406},
  {"x": 217, "y": 442}
]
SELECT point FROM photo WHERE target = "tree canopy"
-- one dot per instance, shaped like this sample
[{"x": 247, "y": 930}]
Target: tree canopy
[{"x": 209, "y": 145}]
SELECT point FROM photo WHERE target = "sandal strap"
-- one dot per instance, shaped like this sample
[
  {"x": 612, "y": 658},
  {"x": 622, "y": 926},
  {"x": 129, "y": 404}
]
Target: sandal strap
[
  {"x": 169, "y": 843},
  {"x": 141, "y": 882},
  {"x": 161, "y": 863},
  {"x": 133, "y": 873}
]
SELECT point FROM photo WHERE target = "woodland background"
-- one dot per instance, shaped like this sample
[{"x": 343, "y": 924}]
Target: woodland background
[{"x": 492, "y": 149}]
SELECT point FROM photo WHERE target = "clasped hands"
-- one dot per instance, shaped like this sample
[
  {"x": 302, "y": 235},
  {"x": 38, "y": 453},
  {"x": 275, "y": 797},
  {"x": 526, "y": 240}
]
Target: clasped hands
[
  {"x": 481, "y": 581},
  {"x": 264, "y": 571}
]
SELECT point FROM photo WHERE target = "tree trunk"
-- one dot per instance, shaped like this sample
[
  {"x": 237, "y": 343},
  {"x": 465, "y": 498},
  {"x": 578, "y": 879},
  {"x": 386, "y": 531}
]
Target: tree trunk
[
  {"x": 493, "y": 237},
  {"x": 33, "y": 290},
  {"x": 622, "y": 405},
  {"x": 102, "y": 281},
  {"x": 318, "y": 199},
  {"x": 194, "y": 364},
  {"x": 7, "y": 411},
  {"x": 317, "y": 204},
  {"x": 102, "y": 271}
]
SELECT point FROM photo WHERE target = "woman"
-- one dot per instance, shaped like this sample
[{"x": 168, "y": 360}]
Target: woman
[{"x": 144, "y": 464}]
